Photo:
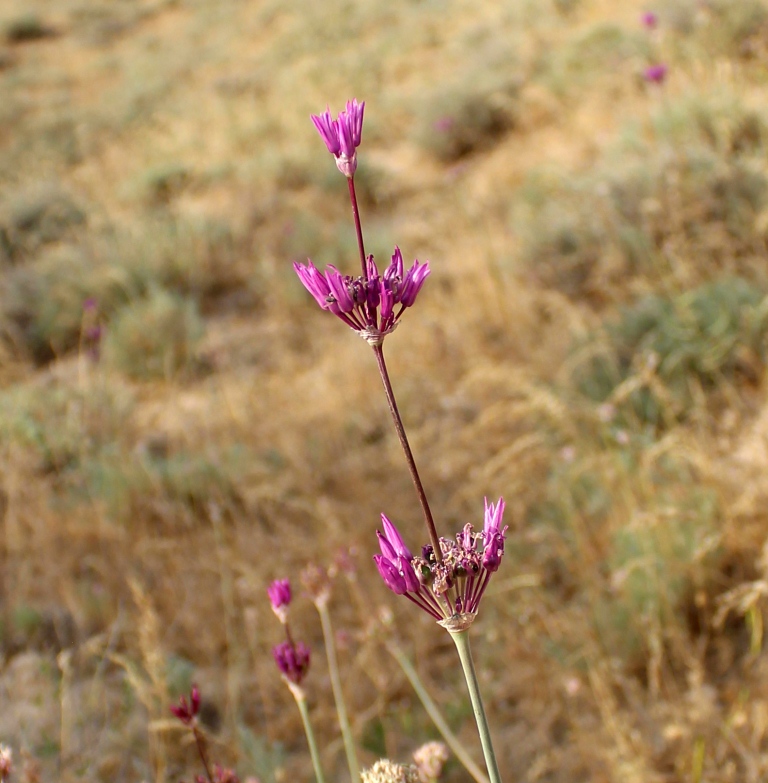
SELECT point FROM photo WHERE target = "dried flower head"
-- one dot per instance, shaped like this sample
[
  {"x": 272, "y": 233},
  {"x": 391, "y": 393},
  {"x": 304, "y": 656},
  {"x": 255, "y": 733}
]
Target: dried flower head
[
  {"x": 317, "y": 582},
  {"x": 279, "y": 593},
  {"x": 371, "y": 304},
  {"x": 386, "y": 771},
  {"x": 342, "y": 136},
  {"x": 450, "y": 590},
  {"x": 430, "y": 759},
  {"x": 186, "y": 711},
  {"x": 292, "y": 659},
  {"x": 6, "y": 762}
]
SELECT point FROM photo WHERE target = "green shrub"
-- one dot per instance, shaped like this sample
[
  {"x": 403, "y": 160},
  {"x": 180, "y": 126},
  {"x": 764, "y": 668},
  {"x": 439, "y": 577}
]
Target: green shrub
[
  {"x": 41, "y": 303},
  {"x": 36, "y": 216},
  {"x": 154, "y": 337},
  {"x": 27, "y": 27},
  {"x": 586, "y": 58},
  {"x": 696, "y": 341},
  {"x": 681, "y": 200},
  {"x": 65, "y": 426},
  {"x": 464, "y": 119}
]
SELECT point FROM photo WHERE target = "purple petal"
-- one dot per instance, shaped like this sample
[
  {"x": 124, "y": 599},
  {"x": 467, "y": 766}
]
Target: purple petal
[
  {"x": 314, "y": 282},
  {"x": 391, "y": 576},
  {"x": 395, "y": 539},
  {"x": 328, "y": 128},
  {"x": 414, "y": 279},
  {"x": 412, "y": 584},
  {"x": 354, "y": 114},
  {"x": 493, "y": 552},
  {"x": 395, "y": 269},
  {"x": 387, "y": 550},
  {"x": 339, "y": 289},
  {"x": 493, "y": 517}
]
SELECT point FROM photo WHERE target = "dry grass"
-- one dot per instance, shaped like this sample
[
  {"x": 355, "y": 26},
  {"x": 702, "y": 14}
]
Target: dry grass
[{"x": 591, "y": 344}]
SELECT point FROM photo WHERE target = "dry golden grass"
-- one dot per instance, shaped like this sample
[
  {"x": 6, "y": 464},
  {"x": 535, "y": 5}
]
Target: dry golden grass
[{"x": 157, "y": 156}]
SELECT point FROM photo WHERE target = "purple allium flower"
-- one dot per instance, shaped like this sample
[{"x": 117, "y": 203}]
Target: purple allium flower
[
  {"x": 451, "y": 588},
  {"x": 224, "y": 775},
  {"x": 186, "y": 711},
  {"x": 292, "y": 659},
  {"x": 649, "y": 20},
  {"x": 279, "y": 593},
  {"x": 343, "y": 135},
  {"x": 370, "y": 305},
  {"x": 655, "y": 74}
]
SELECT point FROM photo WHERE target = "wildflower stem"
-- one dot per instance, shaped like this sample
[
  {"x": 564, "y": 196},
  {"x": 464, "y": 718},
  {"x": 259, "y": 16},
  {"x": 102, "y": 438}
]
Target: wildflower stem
[
  {"x": 379, "y": 351},
  {"x": 358, "y": 226},
  {"x": 301, "y": 703},
  {"x": 200, "y": 741},
  {"x": 338, "y": 694},
  {"x": 461, "y": 640},
  {"x": 434, "y": 713}
]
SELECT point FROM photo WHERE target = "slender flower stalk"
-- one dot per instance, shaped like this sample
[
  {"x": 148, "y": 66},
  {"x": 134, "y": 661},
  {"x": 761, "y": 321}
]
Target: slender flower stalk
[
  {"x": 317, "y": 581},
  {"x": 368, "y": 303},
  {"x": 338, "y": 693},
  {"x": 434, "y": 713},
  {"x": 461, "y": 640},
  {"x": 400, "y": 429},
  {"x": 301, "y": 702}
]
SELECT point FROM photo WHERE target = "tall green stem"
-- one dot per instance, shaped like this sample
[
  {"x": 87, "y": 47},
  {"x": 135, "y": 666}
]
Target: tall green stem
[
  {"x": 301, "y": 702},
  {"x": 338, "y": 694},
  {"x": 461, "y": 640},
  {"x": 434, "y": 712}
]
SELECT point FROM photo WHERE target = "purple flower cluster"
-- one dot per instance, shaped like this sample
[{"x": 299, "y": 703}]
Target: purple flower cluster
[
  {"x": 292, "y": 659},
  {"x": 343, "y": 135},
  {"x": 655, "y": 74},
  {"x": 454, "y": 585},
  {"x": 649, "y": 20},
  {"x": 186, "y": 711},
  {"x": 279, "y": 593},
  {"x": 370, "y": 304}
]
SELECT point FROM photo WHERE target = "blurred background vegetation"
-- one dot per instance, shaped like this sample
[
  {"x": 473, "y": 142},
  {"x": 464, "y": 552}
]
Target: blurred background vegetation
[{"x": 180, "y": 424}]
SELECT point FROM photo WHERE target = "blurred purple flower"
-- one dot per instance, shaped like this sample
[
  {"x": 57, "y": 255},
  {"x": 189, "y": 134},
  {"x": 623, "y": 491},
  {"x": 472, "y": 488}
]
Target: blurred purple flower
[
  {"x": 649, "y": 20},
  {"x": 292, "y": 659},
  {"x": 444, "y": 124},
  {"x": 655, "y": 74},
  {"x": 342, "y": 136},
  {"x": 372, "y": 306},
  {"x": 453, "y": 587},
  {"x": 186, "y": 711},
  {"x": 90, "y": 304},
  {"x": 279, "y": 593}
]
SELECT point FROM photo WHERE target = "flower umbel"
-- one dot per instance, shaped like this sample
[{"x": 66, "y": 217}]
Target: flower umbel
[
  {"x": 342, "y": 136},
  {"x": 292, "y": 659},
  {"x": 279, "y": 593},
  {"x": 186, "y": 711},
  {"x": 371, "y": 305},
  {"x": 450, "y": 590}
]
